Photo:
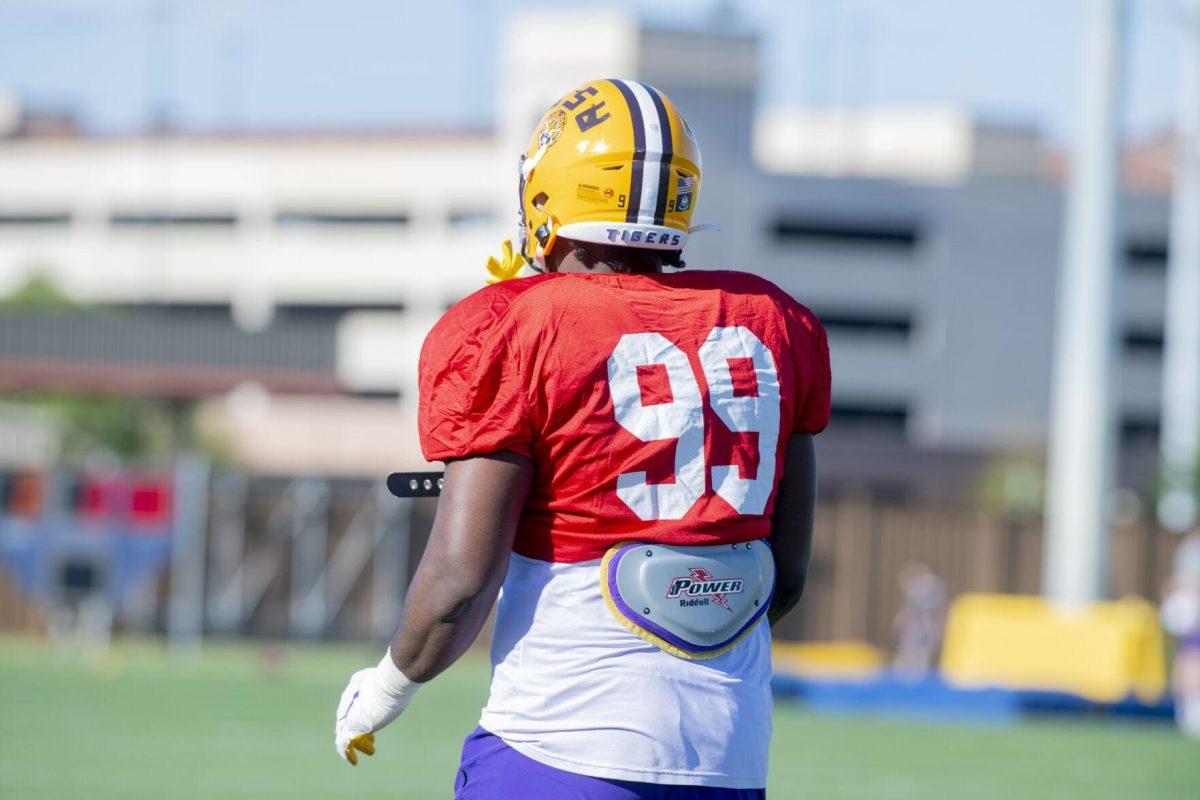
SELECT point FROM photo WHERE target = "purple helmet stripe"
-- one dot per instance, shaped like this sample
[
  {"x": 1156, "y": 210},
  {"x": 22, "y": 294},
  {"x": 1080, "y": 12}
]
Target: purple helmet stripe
[{"x": 639, "y": 149}]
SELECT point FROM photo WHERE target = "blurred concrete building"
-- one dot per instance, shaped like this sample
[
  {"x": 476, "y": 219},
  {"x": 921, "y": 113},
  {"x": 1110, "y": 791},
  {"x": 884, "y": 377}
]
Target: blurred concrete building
[{"x": 928, "y": 242}]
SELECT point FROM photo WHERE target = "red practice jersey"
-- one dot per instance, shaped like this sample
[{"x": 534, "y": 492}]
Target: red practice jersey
[{"x": 654, "y": 407}]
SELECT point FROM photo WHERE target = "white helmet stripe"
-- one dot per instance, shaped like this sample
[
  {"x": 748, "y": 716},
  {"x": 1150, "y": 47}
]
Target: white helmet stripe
[{"x": 654, "y": 152}]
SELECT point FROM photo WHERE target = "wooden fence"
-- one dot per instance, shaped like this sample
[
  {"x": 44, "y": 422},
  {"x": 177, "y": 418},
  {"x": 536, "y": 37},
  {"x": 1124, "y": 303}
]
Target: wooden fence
[{"x": 861, "y": 548}]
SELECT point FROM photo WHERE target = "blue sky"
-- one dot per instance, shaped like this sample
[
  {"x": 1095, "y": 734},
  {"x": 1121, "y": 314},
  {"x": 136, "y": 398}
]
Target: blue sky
[{"x": 397, "y": 63}]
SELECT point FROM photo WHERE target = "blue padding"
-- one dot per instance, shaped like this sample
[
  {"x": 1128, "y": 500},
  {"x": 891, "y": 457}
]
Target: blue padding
[
  {"x": 1033, "y": 702},
  {"x": 931, "y": 697},
  {"x": 32, "y": 550}
]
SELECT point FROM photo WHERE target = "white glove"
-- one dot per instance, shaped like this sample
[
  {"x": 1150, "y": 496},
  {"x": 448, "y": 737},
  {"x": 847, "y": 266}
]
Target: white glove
[{"x": 374, "y": 697}]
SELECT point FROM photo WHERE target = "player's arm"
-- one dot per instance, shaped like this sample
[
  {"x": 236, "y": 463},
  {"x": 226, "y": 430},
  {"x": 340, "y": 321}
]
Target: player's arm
[
  {"x": 456, "y": 583},
  {"x": 464, "y": 563},
  {"x": 792, "y": 524}
]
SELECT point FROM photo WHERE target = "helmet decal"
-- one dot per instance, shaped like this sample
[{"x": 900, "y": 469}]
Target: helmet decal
[
  {"x": 552, "y": 128},
  {"x": 684, "y": 187}
]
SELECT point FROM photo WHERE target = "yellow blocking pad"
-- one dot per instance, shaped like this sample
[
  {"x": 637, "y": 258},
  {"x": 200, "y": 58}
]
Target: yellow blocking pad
[
  {"x": 1102, "y": 652},
  {"x": 842, "y": 659}
]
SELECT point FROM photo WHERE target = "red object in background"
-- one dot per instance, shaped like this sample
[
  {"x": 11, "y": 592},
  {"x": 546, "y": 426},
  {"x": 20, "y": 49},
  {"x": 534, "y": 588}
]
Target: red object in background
[
  {"x": 137, "y": 503},
  {"x": 89, "y": 498},
  {"x": 142, "y": 502},
  {"x": 150, "y": 502},
  {"x": 24, "y": 495}
]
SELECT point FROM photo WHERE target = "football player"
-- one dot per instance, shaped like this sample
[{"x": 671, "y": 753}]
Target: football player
[{"x": 629, "y": 467}]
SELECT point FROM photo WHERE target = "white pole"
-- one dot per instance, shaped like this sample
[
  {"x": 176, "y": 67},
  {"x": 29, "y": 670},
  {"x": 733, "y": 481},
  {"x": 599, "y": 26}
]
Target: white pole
[
  {"x": 1083, "y": 409},
  {"x": 189, "y": 546},
  {"x": 1180, "y": 441}
]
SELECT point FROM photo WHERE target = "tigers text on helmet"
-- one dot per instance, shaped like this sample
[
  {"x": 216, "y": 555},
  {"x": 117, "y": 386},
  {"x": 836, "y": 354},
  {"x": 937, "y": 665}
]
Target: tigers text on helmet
[{"x": 613, "y": 162}]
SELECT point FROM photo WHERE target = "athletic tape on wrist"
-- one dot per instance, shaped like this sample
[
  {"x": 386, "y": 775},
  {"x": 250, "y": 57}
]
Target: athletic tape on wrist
[{"x": 394, "y": 683}]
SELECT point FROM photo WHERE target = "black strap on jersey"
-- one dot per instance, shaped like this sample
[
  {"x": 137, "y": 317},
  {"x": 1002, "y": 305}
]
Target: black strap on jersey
[{"x": 415, "y": 484}]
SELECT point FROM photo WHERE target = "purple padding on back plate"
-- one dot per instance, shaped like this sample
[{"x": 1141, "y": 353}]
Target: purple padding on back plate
[{"x": 644, "y": 622}]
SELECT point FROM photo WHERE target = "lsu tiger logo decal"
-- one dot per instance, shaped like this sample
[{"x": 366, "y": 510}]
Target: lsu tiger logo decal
[{"x": 552, "y": 128}]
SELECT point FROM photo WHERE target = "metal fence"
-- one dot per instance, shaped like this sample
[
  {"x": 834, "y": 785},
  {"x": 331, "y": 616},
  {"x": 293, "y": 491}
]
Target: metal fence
[{"x": 316, "y": 558}]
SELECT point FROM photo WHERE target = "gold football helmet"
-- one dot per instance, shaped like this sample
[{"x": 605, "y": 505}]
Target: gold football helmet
[{"x": 612, "y": 162}]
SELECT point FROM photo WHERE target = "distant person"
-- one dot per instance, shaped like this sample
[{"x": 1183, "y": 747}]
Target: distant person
[
  {"x": 1181, "y": 617},
  {"x": 920, "y": 622},
  {"x": 630, "y": 466}
]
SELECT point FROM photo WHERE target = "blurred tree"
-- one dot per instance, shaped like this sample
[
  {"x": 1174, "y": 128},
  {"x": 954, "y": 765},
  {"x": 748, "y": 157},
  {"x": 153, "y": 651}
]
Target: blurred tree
[
  {"x": 1014, "y": 485},
  {"x": 38, "y": 294},
  {"x": 1176, "y": 478},
  {"x": 126, "y": 429}
]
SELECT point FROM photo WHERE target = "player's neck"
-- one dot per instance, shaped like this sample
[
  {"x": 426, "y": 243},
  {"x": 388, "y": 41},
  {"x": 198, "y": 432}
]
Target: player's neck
[
  {"x": 605, "y": 269},
  {"x": 571, "y": 263},
  {"x": 592, "y": 259}
]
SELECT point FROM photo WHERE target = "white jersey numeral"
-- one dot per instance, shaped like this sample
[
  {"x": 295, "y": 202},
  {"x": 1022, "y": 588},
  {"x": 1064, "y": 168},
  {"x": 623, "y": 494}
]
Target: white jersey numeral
[
  {"x": 750, "y": 414},
  {"x": 682, "y": 419}
]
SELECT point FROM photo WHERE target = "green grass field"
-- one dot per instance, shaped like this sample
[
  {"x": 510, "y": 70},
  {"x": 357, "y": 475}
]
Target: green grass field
[{"x": 244, "y": 722}]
